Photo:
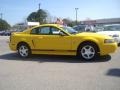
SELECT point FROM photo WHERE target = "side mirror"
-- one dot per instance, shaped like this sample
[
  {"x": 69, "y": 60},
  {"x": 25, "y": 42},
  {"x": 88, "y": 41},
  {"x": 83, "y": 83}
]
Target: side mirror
[{"x": 62, "y": 33}]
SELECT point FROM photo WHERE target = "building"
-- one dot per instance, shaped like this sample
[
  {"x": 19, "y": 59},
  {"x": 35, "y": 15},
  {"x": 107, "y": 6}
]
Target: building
[
  {"x": 101, "y": 21},
  {"x": 23, "y": 26}
]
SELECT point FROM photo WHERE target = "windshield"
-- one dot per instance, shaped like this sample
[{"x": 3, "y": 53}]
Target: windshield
[
  {"x": 69, "y": 30},
  {"x": 112, "y": 28}
]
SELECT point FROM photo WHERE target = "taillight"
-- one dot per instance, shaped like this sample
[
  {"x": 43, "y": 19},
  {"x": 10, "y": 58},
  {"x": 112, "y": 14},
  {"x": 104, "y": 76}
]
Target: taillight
[{"x": 10, "y": 38}]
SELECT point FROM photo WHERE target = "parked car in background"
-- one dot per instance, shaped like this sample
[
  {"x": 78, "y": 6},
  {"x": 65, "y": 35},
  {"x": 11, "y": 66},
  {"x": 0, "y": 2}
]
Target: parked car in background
[
  {"x": 61, "y": 40},
  {"x": 112, "y": 30},
  {"x": 84, "y": 28},
  {"x": 2, "y": 33},
  {"x": 79, "y": 28},
  {"x": 5, "y": 33}
]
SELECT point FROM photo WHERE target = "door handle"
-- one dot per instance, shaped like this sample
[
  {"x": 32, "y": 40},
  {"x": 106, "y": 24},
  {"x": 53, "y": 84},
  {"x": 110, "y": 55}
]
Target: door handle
[{"x": 40, "y": 37}]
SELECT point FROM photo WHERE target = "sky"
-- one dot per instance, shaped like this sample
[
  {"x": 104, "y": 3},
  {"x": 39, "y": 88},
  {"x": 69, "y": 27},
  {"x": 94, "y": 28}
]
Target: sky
[{"x": 15, "y": 11}]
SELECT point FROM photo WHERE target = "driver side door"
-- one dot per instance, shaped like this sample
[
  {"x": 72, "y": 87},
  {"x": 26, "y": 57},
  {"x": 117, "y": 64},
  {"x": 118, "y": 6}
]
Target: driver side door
[{"x": 47, "y": 38}]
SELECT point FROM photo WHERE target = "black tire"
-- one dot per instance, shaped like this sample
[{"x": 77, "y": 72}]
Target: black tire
[
  {"x": 24, "y": 50},
  {"x": 88, "y": 51}
]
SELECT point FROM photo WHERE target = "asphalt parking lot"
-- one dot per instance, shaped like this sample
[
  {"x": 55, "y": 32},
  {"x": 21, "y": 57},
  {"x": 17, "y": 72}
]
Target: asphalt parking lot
[{"x": 42, "y": 72}]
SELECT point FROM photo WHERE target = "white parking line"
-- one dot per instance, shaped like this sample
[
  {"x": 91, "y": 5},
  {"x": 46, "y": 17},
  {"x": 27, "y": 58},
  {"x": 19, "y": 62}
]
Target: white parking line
[{"x": 4, "y": 37}]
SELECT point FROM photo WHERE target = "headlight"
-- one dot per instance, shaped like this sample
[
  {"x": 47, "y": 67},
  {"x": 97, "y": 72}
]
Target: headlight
[{"x": 109, "y": 41}]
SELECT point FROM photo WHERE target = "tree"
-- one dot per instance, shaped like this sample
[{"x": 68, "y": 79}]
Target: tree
[
  {"x": 32, "y": 17},
  {"x": 39, "y": 16},
  {"x": 69, "y": 22},
  {"x": 4, "y": 25}
]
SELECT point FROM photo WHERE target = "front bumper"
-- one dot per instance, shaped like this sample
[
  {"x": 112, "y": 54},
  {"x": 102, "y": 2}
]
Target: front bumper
[
  {"x": 117, "y": 39},
  {"x": 108, "y": 48}
]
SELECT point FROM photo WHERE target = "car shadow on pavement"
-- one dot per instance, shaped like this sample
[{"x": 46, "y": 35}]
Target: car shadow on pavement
[
  {"x": 52, "y": 58},
  {"x": 113, "y": 72}
]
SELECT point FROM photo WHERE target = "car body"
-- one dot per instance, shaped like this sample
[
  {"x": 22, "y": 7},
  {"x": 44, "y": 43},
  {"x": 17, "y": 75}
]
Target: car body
[
  {"x": 61, "y": 40},
  {"x": 112, "y": 30}
]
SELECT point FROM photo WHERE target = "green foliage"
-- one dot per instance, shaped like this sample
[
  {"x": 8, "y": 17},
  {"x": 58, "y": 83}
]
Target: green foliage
[
  {"x": 4, "y": 25},
  {"x": 39, "y": 16},
  {"x": 69, "y": 22}
]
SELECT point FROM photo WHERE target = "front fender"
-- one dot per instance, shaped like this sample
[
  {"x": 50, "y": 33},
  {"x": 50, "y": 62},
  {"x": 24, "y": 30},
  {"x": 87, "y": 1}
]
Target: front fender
[{"x": 79, "y": 41}]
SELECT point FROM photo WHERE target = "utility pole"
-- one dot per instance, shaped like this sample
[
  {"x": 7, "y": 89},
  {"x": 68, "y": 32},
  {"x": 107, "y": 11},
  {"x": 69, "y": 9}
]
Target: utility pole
[
  {"x": 39, "y": 9},
  {"x": 39, "y": 5},
  {"x": 1, "y": 15},
  {"x": 76, "y": 9}
]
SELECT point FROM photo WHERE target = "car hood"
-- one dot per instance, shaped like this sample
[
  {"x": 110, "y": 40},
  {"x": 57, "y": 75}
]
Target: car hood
[
  {"x": 110, "y": 33},
  {"x": 91, "y": 34}
]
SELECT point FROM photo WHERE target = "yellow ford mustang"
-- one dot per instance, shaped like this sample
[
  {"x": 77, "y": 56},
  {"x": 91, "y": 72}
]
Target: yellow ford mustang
[{"x": 61, "y": 40}]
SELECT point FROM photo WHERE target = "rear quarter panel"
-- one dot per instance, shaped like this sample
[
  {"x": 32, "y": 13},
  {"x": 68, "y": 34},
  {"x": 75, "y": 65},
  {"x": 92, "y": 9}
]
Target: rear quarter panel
[{"x": 17, "y": 38}]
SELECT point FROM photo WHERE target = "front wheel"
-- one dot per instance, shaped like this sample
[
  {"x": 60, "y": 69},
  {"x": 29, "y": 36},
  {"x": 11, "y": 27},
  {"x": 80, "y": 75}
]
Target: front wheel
[
  {"x": 24, "y": 50},
  {"x": 88, "y": 51}
]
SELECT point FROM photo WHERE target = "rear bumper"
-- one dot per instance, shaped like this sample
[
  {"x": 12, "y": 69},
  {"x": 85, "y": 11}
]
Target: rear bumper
[{"x": 12, "y": 46}]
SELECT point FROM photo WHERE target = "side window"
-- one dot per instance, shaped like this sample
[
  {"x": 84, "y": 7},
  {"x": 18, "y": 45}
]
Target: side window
[
  {"x": 41, "y": 30},
  {"x": 45, "y": 30},
  {"x": 55, "y": 31},
  {"x": 35, "y": 30}
]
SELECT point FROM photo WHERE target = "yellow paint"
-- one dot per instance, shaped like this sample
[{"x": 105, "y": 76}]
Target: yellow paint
[{"x": 60, "y": 45}]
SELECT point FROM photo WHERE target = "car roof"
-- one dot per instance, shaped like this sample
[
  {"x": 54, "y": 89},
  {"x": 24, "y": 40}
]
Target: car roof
[{"x": 56, "y": 25}]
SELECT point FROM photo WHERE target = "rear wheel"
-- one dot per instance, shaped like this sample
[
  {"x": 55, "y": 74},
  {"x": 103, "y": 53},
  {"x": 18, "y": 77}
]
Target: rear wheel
[
  {"x": 88, "y": 51},
  {"x": 24, "y": 50}
]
